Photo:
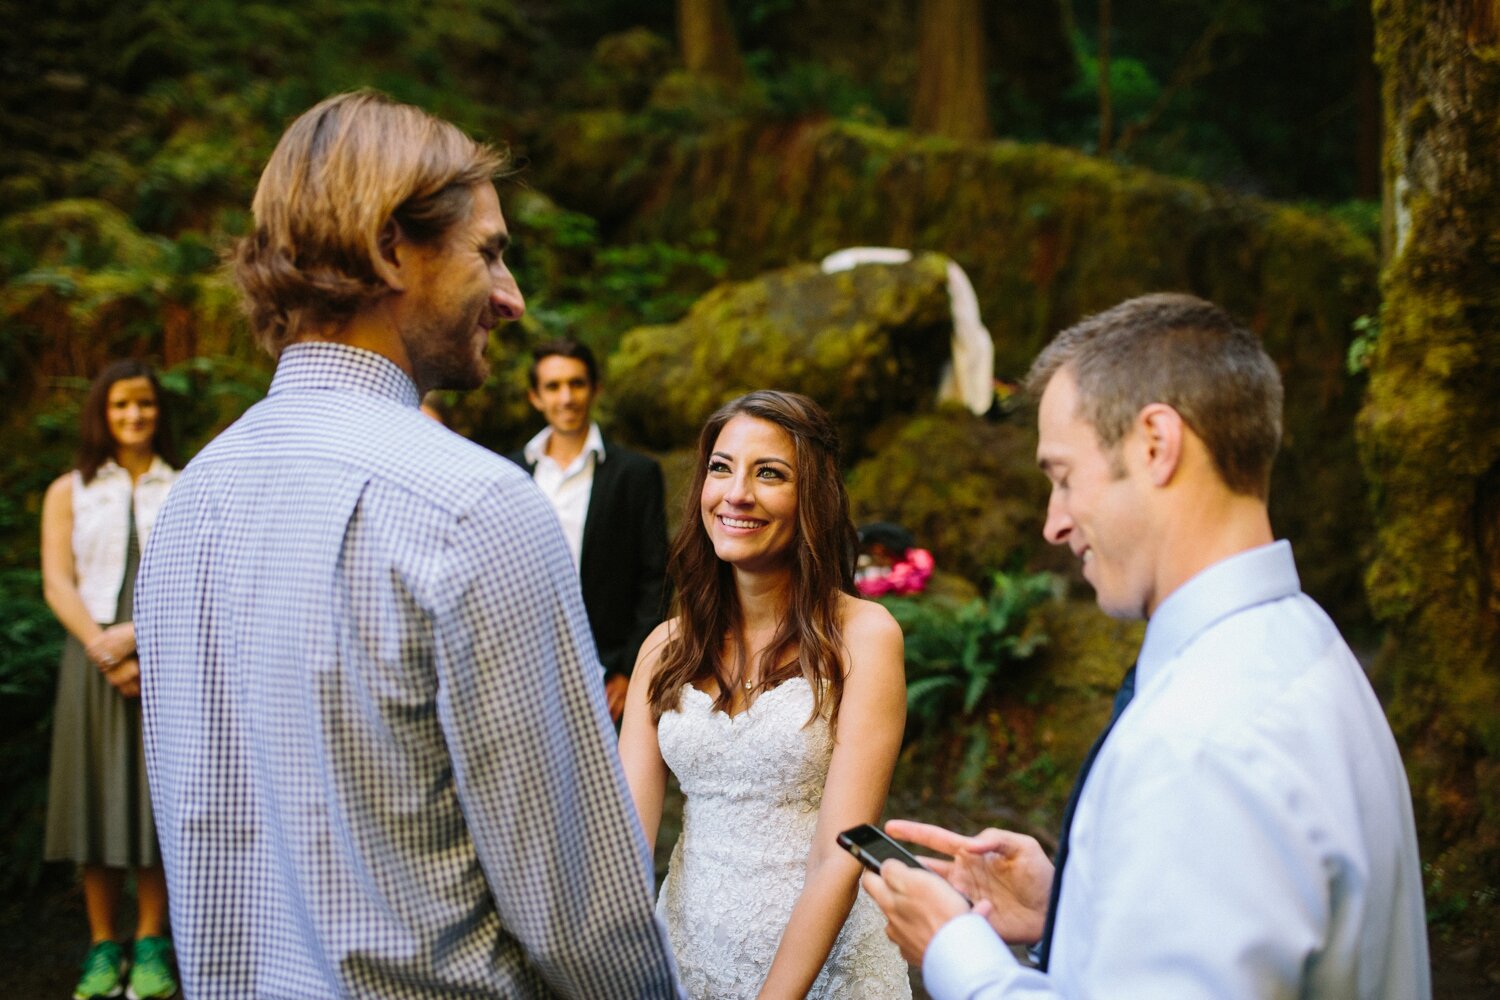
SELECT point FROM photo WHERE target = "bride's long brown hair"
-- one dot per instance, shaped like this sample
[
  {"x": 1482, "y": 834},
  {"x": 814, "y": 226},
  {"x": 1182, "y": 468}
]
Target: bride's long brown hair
[{"x": 822, "y": 562}]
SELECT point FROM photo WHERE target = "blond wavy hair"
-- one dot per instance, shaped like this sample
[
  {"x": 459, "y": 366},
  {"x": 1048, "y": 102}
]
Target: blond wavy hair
[{"x": 342, "y": 173}]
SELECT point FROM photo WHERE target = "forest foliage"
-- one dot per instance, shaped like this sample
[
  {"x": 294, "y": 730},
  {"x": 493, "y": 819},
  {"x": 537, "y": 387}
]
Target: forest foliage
[{"x": 132, "y": 133}]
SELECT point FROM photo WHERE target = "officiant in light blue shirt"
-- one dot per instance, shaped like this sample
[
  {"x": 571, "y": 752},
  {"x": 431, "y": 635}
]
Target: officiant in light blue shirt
[{"x": 1243, "y": 827}]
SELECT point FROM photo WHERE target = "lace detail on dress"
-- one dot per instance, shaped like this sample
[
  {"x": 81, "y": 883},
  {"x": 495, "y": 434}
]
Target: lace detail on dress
[{"x": 753, "y": 783}]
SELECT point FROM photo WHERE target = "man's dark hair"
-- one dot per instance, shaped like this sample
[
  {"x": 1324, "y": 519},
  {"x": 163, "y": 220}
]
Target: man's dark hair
[
  {"x": 564, "y": 347},
  {"x": 1184, "y": 352}
]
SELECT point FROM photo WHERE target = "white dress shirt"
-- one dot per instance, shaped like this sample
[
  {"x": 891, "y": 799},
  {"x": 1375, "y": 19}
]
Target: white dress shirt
[
  {"x": 569, "y": 487},
  {"x": 378, "y": 747},
  {"x": 1246, "y": 830}
]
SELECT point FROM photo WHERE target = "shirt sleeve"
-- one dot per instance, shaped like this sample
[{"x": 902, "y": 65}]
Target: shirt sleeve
[
  {"x": 966, "y": 960},
  {"x": 533, "y": 756}
]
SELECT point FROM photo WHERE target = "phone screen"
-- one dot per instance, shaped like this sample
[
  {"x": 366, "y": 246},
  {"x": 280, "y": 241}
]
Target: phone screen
[{"x": 872, "y": 847}]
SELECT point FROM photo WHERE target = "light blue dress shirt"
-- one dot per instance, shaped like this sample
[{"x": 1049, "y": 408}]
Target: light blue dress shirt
[
  {"x": 375, "y": 729},
  {"x": 1246, "y": 830}
]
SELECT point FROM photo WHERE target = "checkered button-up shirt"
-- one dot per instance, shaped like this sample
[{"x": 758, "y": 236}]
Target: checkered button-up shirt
[{"x": 375, "y": 728}]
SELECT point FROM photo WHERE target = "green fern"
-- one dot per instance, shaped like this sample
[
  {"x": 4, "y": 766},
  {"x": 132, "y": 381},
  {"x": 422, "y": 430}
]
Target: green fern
[{"x": 956, "y": 654}]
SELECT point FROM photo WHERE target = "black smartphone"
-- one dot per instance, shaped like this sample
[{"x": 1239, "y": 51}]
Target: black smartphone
[{"x": 872, "y": 847}]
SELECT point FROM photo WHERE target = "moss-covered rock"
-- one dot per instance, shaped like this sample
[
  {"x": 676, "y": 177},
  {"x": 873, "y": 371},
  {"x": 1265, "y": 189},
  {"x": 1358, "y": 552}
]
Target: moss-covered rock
[
  {"x": 677, "y": 469},
  {"x": 867, "y": 344},
  {"x": 1014, "y": 762},
  {"x": 1048, "y": 236},
  {"x": 80, "y": 233},
  {"x": 967, "y": 488}
]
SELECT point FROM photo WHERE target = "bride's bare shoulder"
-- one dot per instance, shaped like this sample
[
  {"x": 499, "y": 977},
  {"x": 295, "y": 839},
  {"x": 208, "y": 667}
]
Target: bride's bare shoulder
[
  {"x": 652, "y": 649},
  {"x": 863, "y": 617}
]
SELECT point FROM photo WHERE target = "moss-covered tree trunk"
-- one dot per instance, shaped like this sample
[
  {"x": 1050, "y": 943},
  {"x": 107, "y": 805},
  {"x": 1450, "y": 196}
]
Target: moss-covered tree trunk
[
  {"x": 706, "y": 37},
  {"x": 950, "y": 71},
  {"x": 1430, "y": 436}
]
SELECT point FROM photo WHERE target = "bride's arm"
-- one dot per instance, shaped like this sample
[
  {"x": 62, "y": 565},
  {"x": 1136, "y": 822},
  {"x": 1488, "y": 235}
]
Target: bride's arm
[
  {"x": 645, "y": 771},
  {"x": 872, "y": 716}
]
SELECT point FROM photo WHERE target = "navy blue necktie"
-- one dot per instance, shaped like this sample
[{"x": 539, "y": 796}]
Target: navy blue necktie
[{"x": 1122, "y": 698}]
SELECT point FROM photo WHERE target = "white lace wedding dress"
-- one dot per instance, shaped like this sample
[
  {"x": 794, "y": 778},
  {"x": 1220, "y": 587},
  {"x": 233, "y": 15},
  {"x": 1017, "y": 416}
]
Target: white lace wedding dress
[{"x": 753, "y": 783}]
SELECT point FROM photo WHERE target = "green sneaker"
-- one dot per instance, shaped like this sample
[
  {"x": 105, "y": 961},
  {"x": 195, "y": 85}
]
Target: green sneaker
[
  {"x": 151, "y": 971},
  {"x": 103, "y": 972}
]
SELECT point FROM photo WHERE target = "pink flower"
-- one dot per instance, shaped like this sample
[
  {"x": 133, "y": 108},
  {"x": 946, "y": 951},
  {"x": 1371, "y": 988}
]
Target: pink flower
[{"x": 908, "y": 576}]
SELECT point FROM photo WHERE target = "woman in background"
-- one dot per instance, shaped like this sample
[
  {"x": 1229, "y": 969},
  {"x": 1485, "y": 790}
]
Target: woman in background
[
  {"x": 95, "y": 520},
  {"x": 777, "y": 697}
]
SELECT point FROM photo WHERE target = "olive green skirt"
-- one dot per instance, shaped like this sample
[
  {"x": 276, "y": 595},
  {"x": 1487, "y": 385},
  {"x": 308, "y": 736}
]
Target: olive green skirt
[{"x": 98, "y": 806}]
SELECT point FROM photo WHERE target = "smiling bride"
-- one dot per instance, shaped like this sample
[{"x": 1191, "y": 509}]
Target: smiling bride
[{"x": 777, "y": 697}]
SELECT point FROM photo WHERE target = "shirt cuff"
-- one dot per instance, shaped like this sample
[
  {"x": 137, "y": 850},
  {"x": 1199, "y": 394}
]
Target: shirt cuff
[{"x": 964, "y": 955}]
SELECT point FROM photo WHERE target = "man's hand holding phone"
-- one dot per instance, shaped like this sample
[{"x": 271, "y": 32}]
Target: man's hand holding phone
[
  {"x": 916, "y": 902},
  {"x": 1007, "y": 875}
]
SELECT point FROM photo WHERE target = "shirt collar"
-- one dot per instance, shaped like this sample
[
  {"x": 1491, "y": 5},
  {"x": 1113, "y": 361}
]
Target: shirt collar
[
  {"x": 323, "y": 364},
  {"x": 111, "y": 469},
  {"x": 1262, "y": 574},
  {"x": 537, "y": 446}
]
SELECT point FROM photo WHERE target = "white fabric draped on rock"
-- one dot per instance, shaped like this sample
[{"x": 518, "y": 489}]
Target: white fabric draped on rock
[{"x": 968, "y": 377}]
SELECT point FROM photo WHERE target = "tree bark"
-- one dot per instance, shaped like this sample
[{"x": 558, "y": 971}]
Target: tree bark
[
  {"x": 706, "y": 37},
  {"x": 1430, "y": 434},
  {"x": 951, "y": 99}
]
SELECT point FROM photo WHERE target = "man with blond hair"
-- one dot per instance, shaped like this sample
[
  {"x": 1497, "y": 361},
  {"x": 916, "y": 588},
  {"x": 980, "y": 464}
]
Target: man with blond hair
[
  {"x": 376, "y": 734},
  {"x": 1243, "y": 826}
]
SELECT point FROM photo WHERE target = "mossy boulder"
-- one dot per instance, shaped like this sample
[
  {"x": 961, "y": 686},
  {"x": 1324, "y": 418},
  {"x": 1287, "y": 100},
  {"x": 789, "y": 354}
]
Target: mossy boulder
[
  {"x": 867, "y": 343},
  {"x": 967, "y": 488},
  {"x": 1014, "y": 761},
  {"x": 1047, "y": 235},
  {"x": 1068, "y": 702},
  {"x": 77, "y": 233},
  {"x": 677, "y": 469}
]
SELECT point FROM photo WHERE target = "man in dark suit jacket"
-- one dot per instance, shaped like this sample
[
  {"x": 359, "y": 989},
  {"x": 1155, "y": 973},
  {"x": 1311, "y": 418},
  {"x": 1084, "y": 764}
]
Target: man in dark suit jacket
[{"x": 609, "y": 502}]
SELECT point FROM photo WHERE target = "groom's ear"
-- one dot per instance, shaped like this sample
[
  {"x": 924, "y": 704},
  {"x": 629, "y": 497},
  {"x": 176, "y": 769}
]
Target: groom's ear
[{"x": 389, "y": 244}]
